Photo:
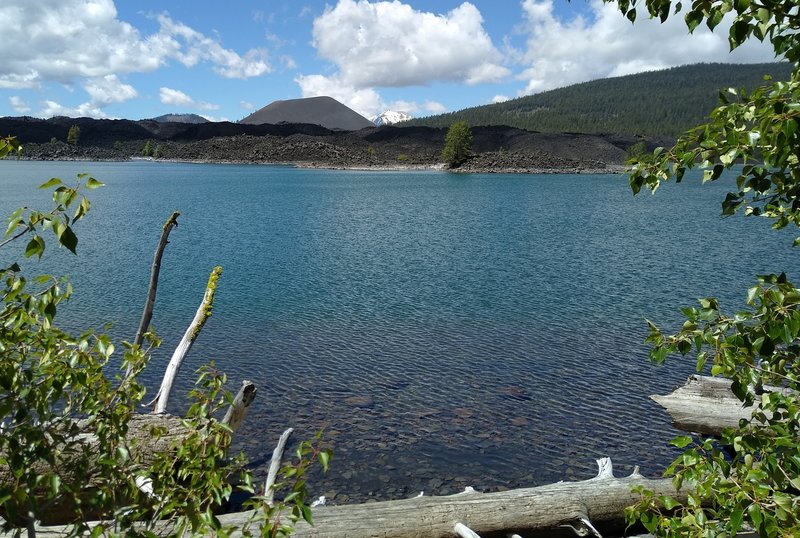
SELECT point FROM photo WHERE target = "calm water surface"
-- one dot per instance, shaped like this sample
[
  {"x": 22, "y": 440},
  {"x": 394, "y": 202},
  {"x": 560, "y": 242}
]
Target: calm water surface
[{"x": 445, "y": 330}]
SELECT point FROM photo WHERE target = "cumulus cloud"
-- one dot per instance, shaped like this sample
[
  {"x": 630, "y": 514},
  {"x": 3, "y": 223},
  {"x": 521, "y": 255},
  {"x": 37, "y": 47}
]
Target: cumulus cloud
[
  {"x": 88, "y": 110},
  {"x": 188, "y": 46},
  {"x": 18, "y": 104},
  {"x": 434, "y": 107},
  {"x": 500, "y": 99},
  {"x": 366, "y": 101},
  {"x": 559, "y": 52},
  {"x": 391, "y": 44},
  {"x": 83, "y": 41},
  {"x": 170, "y": 96},
  {"x": 103, "y": 91},
  {"x": 109, "y": 89}
]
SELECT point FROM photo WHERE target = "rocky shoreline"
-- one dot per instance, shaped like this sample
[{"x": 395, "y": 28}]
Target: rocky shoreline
[
  {"x": 495, "y": 149},
  {"x": 480, "y": 163}
]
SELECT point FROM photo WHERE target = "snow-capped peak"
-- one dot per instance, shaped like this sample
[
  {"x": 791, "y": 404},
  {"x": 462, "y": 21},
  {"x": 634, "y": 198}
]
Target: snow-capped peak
[{"x": 390, "y": 117}]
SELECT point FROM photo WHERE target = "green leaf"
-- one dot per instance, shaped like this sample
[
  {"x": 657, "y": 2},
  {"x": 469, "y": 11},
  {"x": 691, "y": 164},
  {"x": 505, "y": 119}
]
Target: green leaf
[
  {"x": 754, "y": 512},
  {"x": 324, "y": 459},
  {"x": 669, "y": 502},
  {"x": 51, "y": 183},
  {"x": 681, "y": 442},
  {"x": 693, "y": 19},
  {"x": 35, "y": 247},
  {"x": 736, "y": 518},
  {"x": 307, "y": 516},
  {"x": 68, "y": 239},
  {"x": 92, "y": 184},
  {"x": 55, "y": 484}
]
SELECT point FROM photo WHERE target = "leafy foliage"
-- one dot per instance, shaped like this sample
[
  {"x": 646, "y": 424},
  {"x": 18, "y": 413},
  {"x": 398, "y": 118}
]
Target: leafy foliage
[
  {"x": 64, "y": 421},
  {"x": 9, "y": 144},
  {"x": 457, "y": 144},
  {"x": 751, "y": 476},
  {"x": 661, "y": 103},
  {"x": 292, "y": 478}
]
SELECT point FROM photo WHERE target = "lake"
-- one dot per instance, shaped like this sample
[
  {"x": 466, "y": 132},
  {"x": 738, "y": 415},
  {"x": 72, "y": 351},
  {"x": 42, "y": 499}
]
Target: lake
[{"x": 444, "y": 330}]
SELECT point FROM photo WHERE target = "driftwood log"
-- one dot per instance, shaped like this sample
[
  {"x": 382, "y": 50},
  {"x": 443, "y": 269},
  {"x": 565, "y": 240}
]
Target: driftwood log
[
  {"x": 706, "y": 405},
  {"x": 581, "y": 506}
]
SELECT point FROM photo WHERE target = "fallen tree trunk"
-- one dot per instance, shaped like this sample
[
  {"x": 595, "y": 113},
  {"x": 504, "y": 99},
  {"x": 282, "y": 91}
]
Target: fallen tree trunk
[
  {"x": 582, "y": 506},
  {"x": 706, "y": 405}
]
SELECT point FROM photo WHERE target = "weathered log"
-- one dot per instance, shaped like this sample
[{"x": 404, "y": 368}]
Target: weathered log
[
  {"x": 200, "y": 317},
  {"x": 706, "y": 405},
  {"x": 599, "y": 500}
]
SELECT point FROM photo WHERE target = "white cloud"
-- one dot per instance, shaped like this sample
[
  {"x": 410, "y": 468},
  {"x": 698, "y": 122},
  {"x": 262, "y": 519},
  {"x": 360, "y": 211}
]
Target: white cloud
[
  {"x": 188, "y": 46},
  {"x": 103, "y": 91},
  {"x": 391, "y": 44},
  {"x": 18, "y": 104},
  {"x": 247, "y": 105},
  {"x": 84, "y": 42},
  {"x": 288, "y": 62},
  {"x": 433, "y": 107},
  {"x": 560, "y": 52},
  {"x": 170, "y": 96},
  {"x": 18, "y": 81},
  {"x": 109, "y": 89},
  {"x": 366, "y": 101},
  {"x": 87, "y": 110},
  {"x": 409, "y": 107},
  {"x": 500, "y": 99},
  {"x": 215, "y": 118}
]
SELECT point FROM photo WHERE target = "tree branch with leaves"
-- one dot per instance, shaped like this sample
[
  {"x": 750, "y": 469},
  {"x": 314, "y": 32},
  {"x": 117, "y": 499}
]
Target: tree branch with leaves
[{"x": 750, "y": 477}]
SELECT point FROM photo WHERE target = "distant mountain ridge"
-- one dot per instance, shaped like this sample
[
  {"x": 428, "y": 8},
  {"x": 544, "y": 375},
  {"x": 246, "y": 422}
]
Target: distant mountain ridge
[
  {"x": 656, "y": 103},
  {"x": 180, "y": 118},
  {"x": 324, "y": 111}
]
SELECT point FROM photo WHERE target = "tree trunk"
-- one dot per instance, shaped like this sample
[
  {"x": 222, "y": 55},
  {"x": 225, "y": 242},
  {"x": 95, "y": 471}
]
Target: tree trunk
[{"x": 581, "y": 506}]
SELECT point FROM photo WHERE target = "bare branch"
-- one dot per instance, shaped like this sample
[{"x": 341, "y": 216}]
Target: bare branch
[{"x": 203, "y": 313}]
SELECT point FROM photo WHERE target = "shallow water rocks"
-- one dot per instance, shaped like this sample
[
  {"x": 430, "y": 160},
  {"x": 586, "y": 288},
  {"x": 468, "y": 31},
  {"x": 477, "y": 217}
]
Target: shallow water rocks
[{"x": 363, "y": 401}]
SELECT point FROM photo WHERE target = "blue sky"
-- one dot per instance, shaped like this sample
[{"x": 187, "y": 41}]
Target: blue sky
[{"x": 224, "y": 60}]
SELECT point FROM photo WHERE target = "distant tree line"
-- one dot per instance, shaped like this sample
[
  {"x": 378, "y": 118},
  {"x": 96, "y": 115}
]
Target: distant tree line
[{"x": 660, "y": 103}]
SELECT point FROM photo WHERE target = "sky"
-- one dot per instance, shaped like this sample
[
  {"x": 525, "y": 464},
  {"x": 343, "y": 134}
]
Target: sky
[{"x": 139, "y": 59}]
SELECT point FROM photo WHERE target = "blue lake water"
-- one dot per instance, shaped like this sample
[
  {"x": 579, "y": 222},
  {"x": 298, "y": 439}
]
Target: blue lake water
[{"x": 445, "y": 330}]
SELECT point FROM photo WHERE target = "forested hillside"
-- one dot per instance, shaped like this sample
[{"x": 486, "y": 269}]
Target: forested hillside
[{"x": 658, "y": 103}]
